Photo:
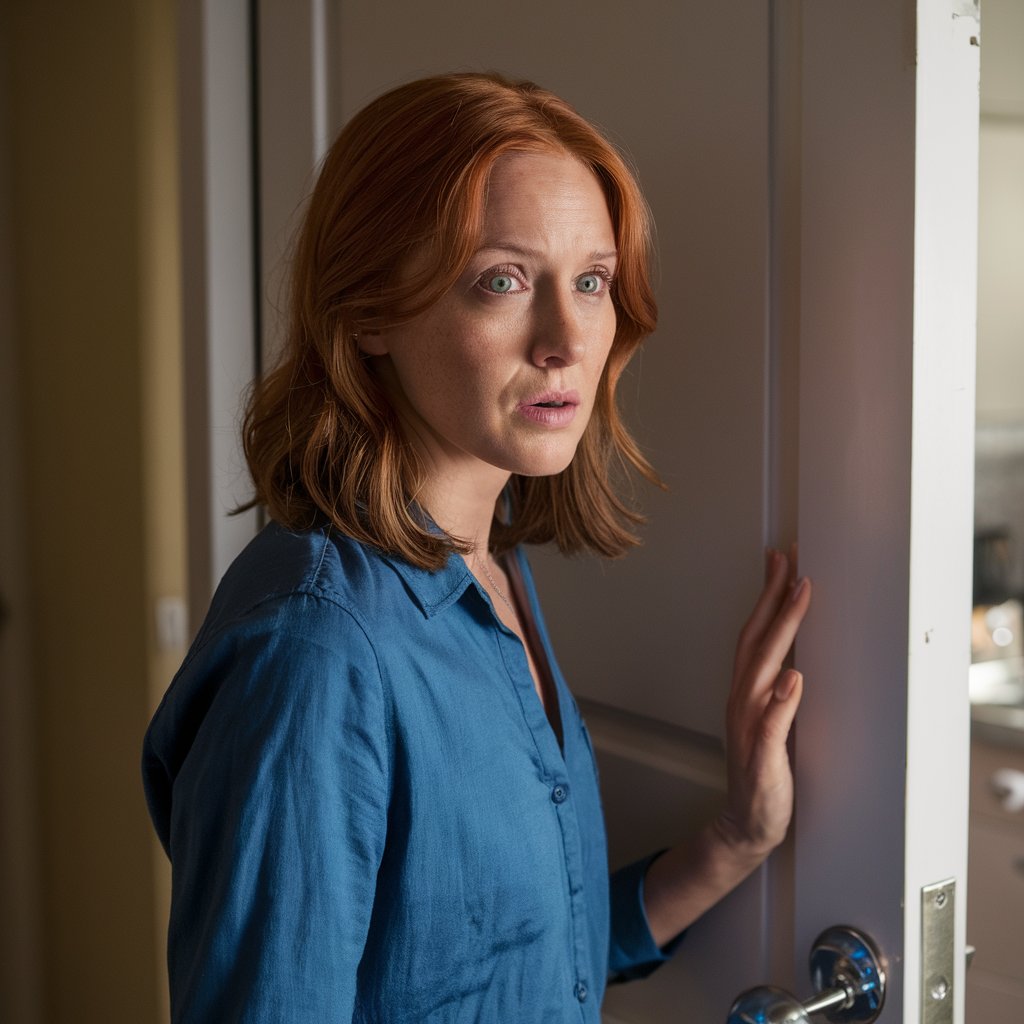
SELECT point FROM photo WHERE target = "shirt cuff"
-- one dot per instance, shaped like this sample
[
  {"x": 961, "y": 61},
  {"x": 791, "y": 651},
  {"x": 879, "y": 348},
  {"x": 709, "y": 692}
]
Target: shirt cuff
[{"x": 633, "y": 952}]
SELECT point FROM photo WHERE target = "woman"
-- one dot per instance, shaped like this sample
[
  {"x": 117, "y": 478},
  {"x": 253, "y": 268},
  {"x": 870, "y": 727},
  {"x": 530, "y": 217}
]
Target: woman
[{"x": 377, "y": 793}]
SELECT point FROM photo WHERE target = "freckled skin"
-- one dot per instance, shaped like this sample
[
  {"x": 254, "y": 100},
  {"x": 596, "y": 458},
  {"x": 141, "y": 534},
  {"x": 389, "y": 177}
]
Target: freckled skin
[{"x": 532, "y": 313}]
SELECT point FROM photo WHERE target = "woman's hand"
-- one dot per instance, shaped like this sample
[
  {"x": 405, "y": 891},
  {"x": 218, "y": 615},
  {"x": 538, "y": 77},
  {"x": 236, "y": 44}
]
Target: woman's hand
[
  {"x": 686, "y": 880},
  {"x": 762, "y": 702}
]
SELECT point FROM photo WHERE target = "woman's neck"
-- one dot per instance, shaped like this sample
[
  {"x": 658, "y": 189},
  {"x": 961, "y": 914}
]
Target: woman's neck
[{"x": 464, "y": 508}]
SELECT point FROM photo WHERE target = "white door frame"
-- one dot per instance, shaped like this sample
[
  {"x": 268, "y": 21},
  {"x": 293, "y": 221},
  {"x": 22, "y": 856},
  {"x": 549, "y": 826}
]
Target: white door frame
[
  {"x": 219, "y": 270},
  {"x": 236, "y": 225}
]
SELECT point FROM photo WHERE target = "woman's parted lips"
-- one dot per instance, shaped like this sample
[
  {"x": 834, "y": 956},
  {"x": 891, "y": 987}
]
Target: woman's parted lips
[{"x": 552, "y": 399}]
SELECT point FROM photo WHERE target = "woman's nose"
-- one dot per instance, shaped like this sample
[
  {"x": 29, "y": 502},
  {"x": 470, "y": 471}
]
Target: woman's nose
[{"x": 559, "y": 334}]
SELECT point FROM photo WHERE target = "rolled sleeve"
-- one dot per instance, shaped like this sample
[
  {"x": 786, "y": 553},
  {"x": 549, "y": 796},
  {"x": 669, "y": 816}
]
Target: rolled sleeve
[{"x": 632, "y": 951}]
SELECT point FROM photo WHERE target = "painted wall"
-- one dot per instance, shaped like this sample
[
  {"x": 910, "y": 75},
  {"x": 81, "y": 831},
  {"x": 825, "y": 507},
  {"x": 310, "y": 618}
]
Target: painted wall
[
  {"x": 1001, "y": 215},
  {"x": 93, "y": 329},
  {"x": 999, "y": 496}
]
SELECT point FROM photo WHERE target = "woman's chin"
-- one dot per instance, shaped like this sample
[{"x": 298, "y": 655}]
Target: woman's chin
[{"x": 548, "y": 463}]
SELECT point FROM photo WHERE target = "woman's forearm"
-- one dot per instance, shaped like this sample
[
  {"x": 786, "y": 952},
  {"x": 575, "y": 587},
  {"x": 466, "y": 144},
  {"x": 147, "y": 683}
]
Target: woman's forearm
[{"x": 690, "y": 878}]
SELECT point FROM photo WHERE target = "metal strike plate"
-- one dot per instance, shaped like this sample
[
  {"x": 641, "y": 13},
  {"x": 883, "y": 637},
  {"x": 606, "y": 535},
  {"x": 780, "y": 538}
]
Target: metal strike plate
[{"x": 938, "y": 905}]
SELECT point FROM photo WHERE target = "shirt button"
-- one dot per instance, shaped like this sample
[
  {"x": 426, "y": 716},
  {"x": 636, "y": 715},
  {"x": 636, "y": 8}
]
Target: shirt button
[
  {"x": 581, "y": 992},
  {"x": 559, "y": 793}
]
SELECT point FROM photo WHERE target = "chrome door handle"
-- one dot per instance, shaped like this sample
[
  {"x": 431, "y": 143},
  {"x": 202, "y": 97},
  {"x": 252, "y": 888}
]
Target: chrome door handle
[{"x": 848, "y": 975}]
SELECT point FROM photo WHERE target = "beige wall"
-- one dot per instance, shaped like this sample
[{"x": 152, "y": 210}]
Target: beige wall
[
  {"x": 92, "y": 168},
  {"x": 1001, "y": 215}
]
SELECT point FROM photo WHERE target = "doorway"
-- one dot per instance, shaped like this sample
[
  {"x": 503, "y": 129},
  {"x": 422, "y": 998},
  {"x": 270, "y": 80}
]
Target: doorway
[{"x": 995, "y": 991}]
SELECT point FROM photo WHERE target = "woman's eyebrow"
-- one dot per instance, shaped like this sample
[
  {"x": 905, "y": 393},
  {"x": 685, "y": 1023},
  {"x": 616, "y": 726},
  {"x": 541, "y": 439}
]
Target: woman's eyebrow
[{"x": 527, "y": 253}]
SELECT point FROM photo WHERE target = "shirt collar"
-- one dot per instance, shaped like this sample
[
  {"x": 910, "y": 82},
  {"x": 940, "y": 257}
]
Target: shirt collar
[{"x": 434, "y": 590}]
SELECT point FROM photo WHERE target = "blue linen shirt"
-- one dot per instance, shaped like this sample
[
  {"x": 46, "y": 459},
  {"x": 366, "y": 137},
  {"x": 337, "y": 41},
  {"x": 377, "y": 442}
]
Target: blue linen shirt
[{"x": 368, "y": 814}]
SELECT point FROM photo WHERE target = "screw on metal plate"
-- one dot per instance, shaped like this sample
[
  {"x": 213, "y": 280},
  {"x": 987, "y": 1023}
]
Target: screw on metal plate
[{"x": 938, "y": 907}]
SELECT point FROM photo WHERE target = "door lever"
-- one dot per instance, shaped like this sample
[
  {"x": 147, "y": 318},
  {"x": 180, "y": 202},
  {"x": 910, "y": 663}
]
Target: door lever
[{"x": 848, "y": 974}]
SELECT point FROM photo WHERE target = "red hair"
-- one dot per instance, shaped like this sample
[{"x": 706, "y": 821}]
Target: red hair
[{"x": 408, "y": 174}]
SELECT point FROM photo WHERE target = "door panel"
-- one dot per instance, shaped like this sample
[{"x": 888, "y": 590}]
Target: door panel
[
  {"x": 889, "y": 175},
  {"x": 856, "y": 383}
]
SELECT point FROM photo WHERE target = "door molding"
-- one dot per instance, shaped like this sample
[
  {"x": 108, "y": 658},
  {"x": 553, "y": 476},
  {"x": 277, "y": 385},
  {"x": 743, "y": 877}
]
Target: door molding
[{"x": 219, "y": 313}]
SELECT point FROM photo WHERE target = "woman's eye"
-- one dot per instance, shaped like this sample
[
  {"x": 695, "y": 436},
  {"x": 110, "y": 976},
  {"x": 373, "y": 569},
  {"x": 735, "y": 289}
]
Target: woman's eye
[
  {"x": 501, "y": 283},
  {"x": 590, "y": 284}
]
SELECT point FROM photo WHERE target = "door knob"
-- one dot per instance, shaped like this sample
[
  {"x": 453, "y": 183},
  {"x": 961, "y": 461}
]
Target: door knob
[{"x": 847, "y": 973}]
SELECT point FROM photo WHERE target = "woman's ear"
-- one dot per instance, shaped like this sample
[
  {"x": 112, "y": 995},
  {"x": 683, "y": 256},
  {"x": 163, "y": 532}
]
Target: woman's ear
[{"x": 371, "y": 343}]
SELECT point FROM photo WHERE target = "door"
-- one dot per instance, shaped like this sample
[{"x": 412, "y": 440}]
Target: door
[
  {"x": 811, "y": 168},
  {"x": 888, "y": 253}
]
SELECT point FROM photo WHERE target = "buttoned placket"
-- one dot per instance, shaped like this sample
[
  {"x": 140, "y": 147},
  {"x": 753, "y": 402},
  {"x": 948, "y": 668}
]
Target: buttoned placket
[{"x": 552, "y": 760}]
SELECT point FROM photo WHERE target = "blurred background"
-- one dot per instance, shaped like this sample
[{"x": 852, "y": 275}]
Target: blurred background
[
  {"x": 92, "y": 498},
  {"x": 996, "y": 852}
]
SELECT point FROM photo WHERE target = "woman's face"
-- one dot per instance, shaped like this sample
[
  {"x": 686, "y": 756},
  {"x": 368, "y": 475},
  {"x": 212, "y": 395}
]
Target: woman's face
[{"x": 499, "y": 376}]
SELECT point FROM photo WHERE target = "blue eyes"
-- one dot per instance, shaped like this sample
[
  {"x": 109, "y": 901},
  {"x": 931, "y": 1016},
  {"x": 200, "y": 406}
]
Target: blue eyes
[
  {"x": 593, "y": 283},
  {"x": 501, "y": 283}
]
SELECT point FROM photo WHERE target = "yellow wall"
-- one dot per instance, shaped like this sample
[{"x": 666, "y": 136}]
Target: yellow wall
[{"x": 91, "y": 99}]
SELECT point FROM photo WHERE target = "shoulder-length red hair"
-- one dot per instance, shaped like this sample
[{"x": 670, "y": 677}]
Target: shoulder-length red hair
[{"x": 408, "y": 174}]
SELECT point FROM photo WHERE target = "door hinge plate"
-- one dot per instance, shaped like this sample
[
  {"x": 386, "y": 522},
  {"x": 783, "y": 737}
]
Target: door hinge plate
[{"x": 938, "y": 906}]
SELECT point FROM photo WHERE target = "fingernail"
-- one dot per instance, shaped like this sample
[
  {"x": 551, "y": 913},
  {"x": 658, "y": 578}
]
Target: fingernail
[
  {"x": 798, "y": 589},
  {"x": 784, "y": 687}
]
